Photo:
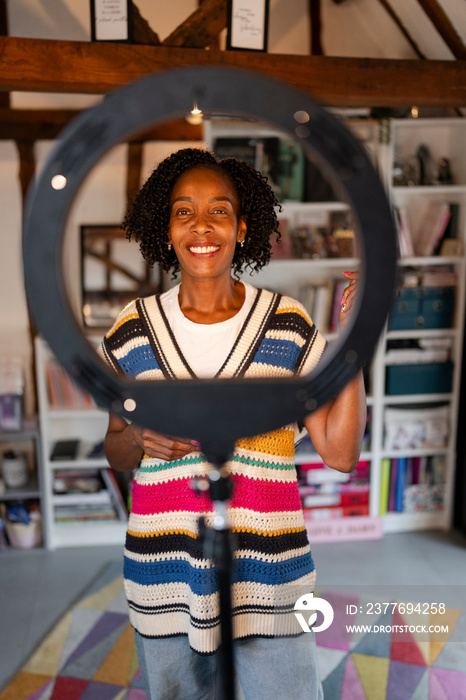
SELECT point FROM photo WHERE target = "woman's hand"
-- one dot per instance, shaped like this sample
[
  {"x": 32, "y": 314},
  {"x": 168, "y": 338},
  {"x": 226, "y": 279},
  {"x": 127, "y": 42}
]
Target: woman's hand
[
  {"x": 126, "y": 443},
  {"x": 164, "y": 447},
  {"x": 349, "y": 296}
]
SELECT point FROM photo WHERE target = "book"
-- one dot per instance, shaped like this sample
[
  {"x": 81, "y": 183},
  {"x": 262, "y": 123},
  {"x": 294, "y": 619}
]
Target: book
[
  {"x": 101, "y": 497},
  {"x": 384, "y": 486},
  {"x": 115, "y": 493},
  {"x": 432, "y": 227},
  {"x": 400, "y": 484},
  {"x": 81, "y": 512},
  {"x": 392, "y": 488},
  {"x": 320, "y": 499},
  {"x": 319, "y": 473},
  {"x": 291, "y": 171},
  {"x": 405, "y": 238},
  {"x": 260, "y": 153},
  {"x": 63, "y": 391},
  {"x": 321, "y": 311},
  {"x": 333, "y": 513},
  {"x": 64, "y": 450}
]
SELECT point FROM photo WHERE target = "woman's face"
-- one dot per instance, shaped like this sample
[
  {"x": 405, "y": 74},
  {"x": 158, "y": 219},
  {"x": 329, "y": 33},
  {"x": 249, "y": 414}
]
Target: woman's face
[{"x": 204, "y": 224}]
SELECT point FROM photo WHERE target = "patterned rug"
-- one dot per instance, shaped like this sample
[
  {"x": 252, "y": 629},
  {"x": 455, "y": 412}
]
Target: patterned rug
[{"x": 91, "y": 655}]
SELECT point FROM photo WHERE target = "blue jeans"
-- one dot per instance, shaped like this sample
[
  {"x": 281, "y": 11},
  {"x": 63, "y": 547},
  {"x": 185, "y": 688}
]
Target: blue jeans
[{"x": 265, "y": 668}]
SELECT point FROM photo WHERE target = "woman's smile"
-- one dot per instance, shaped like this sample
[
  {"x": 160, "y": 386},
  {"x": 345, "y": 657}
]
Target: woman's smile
[{"x": 199, "y": 249}]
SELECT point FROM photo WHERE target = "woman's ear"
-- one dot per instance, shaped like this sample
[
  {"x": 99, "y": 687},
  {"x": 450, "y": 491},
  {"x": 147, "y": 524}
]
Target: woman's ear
[{"x": 242, "y": 230}]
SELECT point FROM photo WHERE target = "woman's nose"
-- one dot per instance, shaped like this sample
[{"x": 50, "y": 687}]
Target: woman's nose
[{"x": 201, "y": 223}]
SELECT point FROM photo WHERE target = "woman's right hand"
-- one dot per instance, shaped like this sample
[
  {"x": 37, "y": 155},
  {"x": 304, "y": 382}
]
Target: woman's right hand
[
  {"x": 164, "y": 447},
  {"x": 125, "y": 445}
]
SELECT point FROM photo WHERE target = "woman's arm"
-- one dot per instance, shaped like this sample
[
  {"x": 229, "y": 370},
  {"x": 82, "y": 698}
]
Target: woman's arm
[
  {"x": 126, "y": 443},
  {"x": 337, "y": 429}
]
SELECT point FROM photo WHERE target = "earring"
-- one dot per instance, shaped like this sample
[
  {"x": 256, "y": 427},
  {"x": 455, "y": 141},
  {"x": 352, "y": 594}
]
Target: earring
[
  {"x": 242, "y": 243},
  {"x": 169, "y": 246}
]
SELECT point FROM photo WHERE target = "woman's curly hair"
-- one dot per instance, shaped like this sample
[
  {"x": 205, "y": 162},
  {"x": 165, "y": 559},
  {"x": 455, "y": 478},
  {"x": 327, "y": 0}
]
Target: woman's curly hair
[{"x": 148, "y": 219}]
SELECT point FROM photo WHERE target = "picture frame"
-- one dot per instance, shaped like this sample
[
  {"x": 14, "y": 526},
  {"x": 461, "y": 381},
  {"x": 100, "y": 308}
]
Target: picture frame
[
  {"x": 113, "y": 272},
  {"x": 247, "y": 28},
  {"x": 111, "y": 20}
]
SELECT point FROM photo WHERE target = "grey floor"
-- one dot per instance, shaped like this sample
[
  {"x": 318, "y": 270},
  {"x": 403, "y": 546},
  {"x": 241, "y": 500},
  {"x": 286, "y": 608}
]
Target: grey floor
[{"x": 37, "y": 587}]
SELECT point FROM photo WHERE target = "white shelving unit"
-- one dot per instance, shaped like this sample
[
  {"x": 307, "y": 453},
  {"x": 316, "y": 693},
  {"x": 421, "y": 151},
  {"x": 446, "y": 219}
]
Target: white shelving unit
[
  {"x": 22, "y": 440},
  {"x": 88, "y": 425},
  {"x": 445, "y": 138}
]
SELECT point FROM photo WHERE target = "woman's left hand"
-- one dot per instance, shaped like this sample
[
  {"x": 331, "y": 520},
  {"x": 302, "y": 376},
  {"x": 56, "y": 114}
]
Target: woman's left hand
[{"x": 349, "y": 296}]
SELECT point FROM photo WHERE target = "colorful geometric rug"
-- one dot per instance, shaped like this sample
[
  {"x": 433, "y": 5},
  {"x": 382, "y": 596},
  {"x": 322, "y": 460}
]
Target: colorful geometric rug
[
  {"x": 393, "y": 666},
  {"x": 91, "y": 655}
]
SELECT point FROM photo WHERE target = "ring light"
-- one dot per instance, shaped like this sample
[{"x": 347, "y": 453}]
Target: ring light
[{"x": 217, "y": 412}]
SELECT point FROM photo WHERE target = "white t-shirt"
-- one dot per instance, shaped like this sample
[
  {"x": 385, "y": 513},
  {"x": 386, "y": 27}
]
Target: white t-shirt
[{"x": 205, "y": 346}]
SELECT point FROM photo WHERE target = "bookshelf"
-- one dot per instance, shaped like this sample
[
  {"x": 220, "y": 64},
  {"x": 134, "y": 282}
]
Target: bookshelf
[
  {"x": 81, "y": 506},
  {"x": 27, "y": 441},
  {"x": 409, "y": 165}
]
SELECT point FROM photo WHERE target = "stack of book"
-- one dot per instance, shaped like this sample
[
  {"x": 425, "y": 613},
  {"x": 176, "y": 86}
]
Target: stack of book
[
  {"x": 437, "y": 233},
  {"x": 86, "y": 495},
  {"x": 328, "y": 494},
  {"x": 63, "y": 391},
  {"x": 322, "y": 301},
  {"x": 412, "y": 484}
]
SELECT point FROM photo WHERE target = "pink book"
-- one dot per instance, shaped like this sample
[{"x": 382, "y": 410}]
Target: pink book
[{"x": 392, "y": 492}]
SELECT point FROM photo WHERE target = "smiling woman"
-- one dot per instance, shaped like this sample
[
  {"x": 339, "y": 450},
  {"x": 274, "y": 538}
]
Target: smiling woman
[
  {"x": 205, "y": 228},
  {"x": 208, "y": 218}
]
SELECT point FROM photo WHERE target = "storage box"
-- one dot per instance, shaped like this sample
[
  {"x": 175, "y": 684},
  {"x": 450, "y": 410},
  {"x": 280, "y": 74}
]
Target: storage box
[
  {"x": 422, "y": 307},
  {"x": 413, "y": 428},
  {"x": 431, "y": 378},
  {"x": 24, "y": 536}
]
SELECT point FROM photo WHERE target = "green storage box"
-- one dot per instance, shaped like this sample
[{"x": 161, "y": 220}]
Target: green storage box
[
  {"x": 422, "y": 307},
  {"x": 431, "y": 378}
]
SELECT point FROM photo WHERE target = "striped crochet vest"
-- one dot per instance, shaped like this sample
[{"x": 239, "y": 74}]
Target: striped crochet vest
[{"x": 170, "y": 585}]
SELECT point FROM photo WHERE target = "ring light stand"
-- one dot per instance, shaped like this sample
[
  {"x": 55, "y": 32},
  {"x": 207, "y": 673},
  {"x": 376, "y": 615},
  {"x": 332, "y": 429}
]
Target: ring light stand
[{"x": 207, "y": 410}]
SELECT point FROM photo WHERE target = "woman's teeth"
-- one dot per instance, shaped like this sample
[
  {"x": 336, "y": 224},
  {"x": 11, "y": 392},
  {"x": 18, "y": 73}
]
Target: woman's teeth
[{"x": 203, "y": 249}]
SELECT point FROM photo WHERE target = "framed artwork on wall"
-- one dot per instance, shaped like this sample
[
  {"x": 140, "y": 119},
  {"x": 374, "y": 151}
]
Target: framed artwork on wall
[
  {"x": 248, "y": 22},
  {"x": 111, "y": 20},
  {"x": 113, "y": 273}
]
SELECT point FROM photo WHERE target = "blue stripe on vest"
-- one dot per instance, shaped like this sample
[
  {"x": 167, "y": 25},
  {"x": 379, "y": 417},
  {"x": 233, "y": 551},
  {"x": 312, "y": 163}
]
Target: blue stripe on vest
[
  {"x": 278, "y": 353},
  {"x": 201, "y": 581},
  {"x": 204, "y": 581},
  {"x": 272, "y": 572},
  {"x": 137, "y": 360}
]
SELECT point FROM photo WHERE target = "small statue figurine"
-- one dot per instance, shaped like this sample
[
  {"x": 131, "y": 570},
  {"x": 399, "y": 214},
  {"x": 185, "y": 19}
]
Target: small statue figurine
[{"x": 444, "y": 175}]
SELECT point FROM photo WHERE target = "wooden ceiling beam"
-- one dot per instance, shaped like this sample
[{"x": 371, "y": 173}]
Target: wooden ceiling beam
[
  {"x": 391, "y": 12},
  {"x": 315, "y": 19},
  {"x": 4, "y": 96},
  {"x": 442, "y": 24},
  {"x": 46, "y": 125},
  {"x": 202, "y": 27},
  {"x": 142, "y": 31},
  {"x": 42, "y": 65}
]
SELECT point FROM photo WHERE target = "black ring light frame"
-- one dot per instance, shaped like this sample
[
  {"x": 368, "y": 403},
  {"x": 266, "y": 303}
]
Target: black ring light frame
[{"x": 215, "y": 413}]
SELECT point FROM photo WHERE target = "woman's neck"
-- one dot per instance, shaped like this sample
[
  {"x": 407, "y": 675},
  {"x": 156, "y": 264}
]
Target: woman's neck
[{"x": 209, "y": 301}]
